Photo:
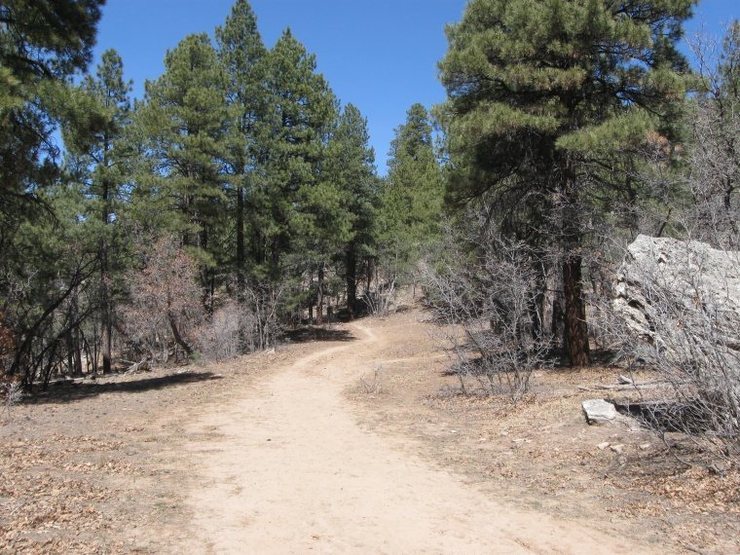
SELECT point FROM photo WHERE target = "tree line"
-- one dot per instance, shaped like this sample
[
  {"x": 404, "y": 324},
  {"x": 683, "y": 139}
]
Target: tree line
[{"x": 237, "y": 197}]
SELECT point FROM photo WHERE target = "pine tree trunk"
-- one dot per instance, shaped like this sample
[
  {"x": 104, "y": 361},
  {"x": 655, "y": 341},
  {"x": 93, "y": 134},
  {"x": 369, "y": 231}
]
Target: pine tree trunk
[
  {"x": 320, "y": 296},
  {"x": 351, "y": 261},
  {"x": 575, "y": 340},
  {"x": 240, "y": 253},
  {"x": 106, "y": 322},
  {"x": 575, "y": 329},
  {"x": 105, "y": 300}
]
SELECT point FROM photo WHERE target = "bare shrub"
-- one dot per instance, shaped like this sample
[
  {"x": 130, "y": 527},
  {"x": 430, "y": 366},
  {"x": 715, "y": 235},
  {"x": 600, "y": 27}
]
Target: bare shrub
[
  {"x": 221, "y": 337},
  {"x": 714, "y": 159},
  {"x": 11, "y": 392},
  {"x": 6, "y": 346},
  {"x": 492, "y": 297},
  {"x": 372, "y": 385},
  {"x": 378, "y": 302},
  {"x": 682, "y": 313},
  {"x": 261, "y": 318},
  {"x": 165, "y": 306}
]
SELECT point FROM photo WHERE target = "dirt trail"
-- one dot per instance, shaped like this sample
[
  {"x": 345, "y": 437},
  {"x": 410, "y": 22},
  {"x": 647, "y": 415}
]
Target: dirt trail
[{"x": 287, "y": 469}]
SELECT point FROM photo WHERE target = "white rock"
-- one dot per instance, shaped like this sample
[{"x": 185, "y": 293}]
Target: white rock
[
  {"x": 598, "y": 411},
  {"x": 702, "y": 280}
]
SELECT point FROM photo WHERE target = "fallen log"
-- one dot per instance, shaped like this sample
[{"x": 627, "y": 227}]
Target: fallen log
[{"x": 623, "y": 387}]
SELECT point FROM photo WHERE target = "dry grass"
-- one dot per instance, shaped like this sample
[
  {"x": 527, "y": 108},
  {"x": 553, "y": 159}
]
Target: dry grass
[{"x": 540, "y": 454}]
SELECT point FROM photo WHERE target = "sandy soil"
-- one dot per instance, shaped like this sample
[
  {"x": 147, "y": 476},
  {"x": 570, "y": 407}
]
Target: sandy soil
[
  {"x": 353, "y": 443},
  {"x": 291, "y": 471}
]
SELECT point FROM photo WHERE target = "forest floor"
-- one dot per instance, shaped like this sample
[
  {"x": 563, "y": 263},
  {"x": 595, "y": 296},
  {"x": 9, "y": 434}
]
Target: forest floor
[{"x": 348, "y": 439}]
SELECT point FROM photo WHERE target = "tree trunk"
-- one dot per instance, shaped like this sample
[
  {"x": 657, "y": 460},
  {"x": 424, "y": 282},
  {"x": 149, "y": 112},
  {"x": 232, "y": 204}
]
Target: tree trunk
[
  {"x": 240, "y": 255},
  {"x": 351, "y": 261},
  {"x": 106, "y": 320},
  {"x": 178, "y": 338},
  {"x": 320, "y": 297},
  {"x": 575, "y": 333},
  {"x": 575, "y": 338}
]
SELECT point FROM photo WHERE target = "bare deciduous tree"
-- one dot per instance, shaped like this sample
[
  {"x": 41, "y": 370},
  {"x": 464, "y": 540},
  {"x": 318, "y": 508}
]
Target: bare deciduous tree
[
  {"x": 492, "y": 296},
  {"x": 165, "y": 305}
]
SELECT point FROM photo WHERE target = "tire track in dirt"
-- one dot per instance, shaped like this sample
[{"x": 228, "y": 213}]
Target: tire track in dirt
[{"x": 286, "y": 469}]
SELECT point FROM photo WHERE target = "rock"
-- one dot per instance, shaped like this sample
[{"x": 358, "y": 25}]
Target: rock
[
  {"x": 617, "y": 449},
  {"x": 603, "y": 445},
  {"x": 645, "y": 446},
  {"x": 599, "y": 411},
  {"x": 666, "y": 286}
]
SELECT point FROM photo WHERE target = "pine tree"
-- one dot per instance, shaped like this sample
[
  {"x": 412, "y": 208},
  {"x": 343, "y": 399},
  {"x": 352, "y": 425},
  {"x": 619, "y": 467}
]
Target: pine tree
[
  {"x": 98, "y": 113},
  {"x": 413, "y": 193},
  {"x": 242, "y": 55},
  {"x": 351, "y": 166},
  {"x": 544, "y": 94},
  {"x": 42, "y": 43},
  {"x": 183, "y": 123},
  {"x": 292, "y": 137}
]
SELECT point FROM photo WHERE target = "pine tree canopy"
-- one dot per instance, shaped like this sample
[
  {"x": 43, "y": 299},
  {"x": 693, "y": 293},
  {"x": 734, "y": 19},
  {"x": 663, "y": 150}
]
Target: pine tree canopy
[{"x": 532, "y": 81}]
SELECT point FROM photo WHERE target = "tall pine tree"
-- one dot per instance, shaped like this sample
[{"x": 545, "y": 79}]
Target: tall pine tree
[
  {"x": 413, "y": 194},
  {"x": 242, "y": 55},
  {"x": 546, "y": 93},
  {"x": 292, "y": 137},
  {"x": 99, "y": 111},
  {"x": 183, "y": 123},
  {"x": 351, "y": 167}
]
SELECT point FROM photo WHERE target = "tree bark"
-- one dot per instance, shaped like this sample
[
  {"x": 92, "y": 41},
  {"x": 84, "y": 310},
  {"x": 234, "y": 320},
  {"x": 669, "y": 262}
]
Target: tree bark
[
  {"x": 106, "y": 347},
  {"x": 575, "y": 340},
  {"x": 351, "y": 262},
  {"x": 320, "y": 296},
  {"x": 178, "y": 338},
  {"x": 575, "y": 332},
  {"x": 240, "y": 251}
]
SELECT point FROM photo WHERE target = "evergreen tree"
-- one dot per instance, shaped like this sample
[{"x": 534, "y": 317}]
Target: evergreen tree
[
  {"x": 99, "y": 112},
  {"x": 242, "y": 55},
  {"x": 292, "y": 137},
  {"x": 42, "y": 42},
  {"x": 413, "y": 193},
  {"x": 351, "y": 167},
  {"x": 183, "y": 122},
  {"x": 547, "y": 93}
]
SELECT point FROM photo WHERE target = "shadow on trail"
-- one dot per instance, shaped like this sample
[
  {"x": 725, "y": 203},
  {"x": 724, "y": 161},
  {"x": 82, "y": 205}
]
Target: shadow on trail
[
  {"x": 310, "y": 334},
  {"x": 69, "y": 392}
]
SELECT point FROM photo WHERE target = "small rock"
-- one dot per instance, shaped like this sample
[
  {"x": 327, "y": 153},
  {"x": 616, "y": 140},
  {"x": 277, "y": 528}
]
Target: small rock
[
  {"x": 624, "y": 380},
  {"x": 603, "y": 445},
  {"x": 617, "y": 449},
  {"x": 645, "y": 446},
  {"x": 599, "y": 411}
]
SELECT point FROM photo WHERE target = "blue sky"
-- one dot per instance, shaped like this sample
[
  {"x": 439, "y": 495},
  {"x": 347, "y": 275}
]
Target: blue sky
[{"x": 380, "y": 55}]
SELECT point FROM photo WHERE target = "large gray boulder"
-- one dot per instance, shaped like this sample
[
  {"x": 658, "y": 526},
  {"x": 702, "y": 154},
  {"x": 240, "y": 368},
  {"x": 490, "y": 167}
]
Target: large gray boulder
[{"x": 681, "y": 297}]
